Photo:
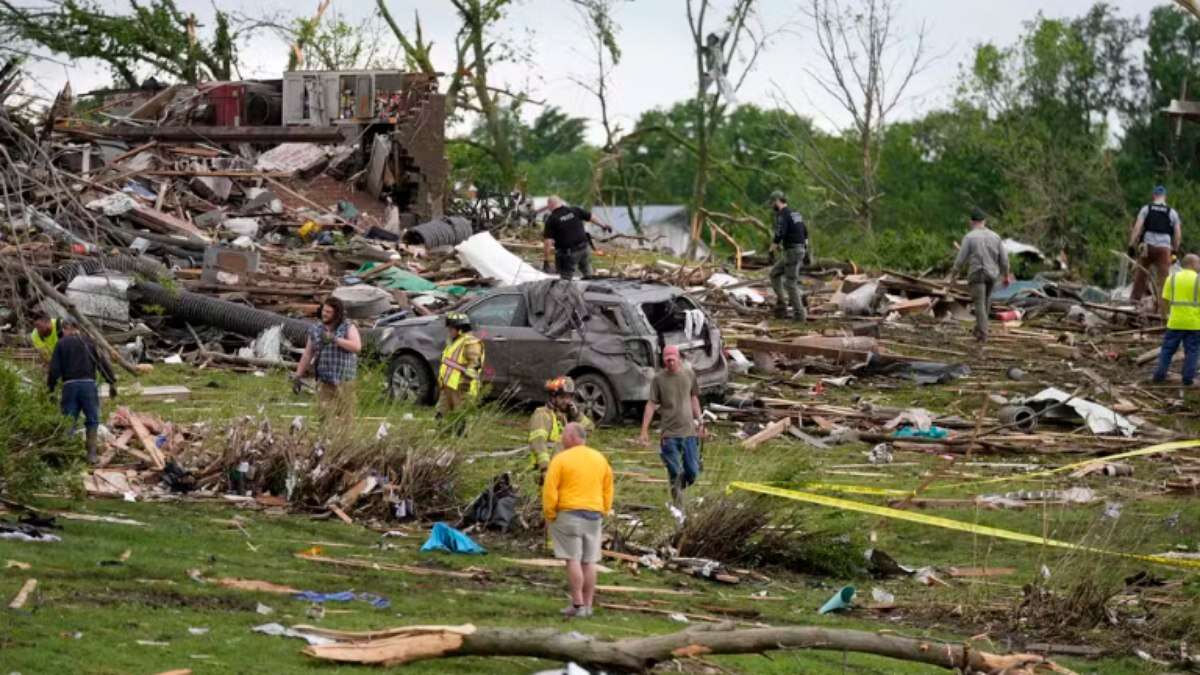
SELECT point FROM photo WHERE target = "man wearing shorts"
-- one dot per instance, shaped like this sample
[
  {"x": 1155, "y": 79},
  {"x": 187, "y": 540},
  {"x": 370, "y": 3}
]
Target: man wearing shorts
[{"x": 576, "y": 494}]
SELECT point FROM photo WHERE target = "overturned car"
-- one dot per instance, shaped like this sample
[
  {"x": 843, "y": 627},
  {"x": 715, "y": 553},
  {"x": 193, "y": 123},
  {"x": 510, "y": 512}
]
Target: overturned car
[{"x": 607, "y": 334}]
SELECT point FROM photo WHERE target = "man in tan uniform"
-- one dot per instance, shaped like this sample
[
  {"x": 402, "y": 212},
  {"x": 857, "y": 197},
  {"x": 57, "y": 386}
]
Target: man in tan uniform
[{"x": 982, "y": 254}]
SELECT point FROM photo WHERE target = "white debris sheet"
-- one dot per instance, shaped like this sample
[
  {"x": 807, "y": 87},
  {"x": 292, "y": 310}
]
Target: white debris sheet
[
  {"x": 1099, "y": 420},
  {"x": 743, "y": 293},
  {"x": 491, "y": 260}
]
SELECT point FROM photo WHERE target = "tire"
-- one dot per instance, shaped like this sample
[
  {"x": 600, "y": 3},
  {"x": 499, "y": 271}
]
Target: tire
[
  {"x": 410, "y": 380},
  {"x": 597, "y": 399}
]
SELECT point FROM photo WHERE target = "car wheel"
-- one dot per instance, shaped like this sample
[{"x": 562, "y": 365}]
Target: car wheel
[
  {"x": 410, "y": 380},
  {"x": 596, "y": 398}
]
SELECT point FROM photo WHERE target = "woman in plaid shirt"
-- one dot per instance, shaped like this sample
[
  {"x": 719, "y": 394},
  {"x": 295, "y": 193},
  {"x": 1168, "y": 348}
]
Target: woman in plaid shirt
[{"x": 332, "y": 352}]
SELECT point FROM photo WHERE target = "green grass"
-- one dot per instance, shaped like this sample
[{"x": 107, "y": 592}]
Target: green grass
[{"x": 88, "y": 616}]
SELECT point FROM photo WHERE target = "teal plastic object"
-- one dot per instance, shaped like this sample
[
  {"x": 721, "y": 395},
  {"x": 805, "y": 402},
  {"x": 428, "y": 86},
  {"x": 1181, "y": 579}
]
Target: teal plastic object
[{"x": 841, "y": 600}]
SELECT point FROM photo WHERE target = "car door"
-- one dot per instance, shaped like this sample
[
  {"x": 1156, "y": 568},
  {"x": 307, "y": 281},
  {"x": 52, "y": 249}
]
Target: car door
[{"x": 492, "y": 320}]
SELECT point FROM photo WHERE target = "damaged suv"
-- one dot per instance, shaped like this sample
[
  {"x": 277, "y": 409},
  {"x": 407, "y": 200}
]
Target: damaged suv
[{"x": 607, "y": 334}]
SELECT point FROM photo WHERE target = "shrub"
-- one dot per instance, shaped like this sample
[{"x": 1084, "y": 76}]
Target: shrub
[{"x": 34, "y": 439}]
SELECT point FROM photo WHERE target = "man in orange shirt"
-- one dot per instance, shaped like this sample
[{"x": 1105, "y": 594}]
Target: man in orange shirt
[{"x": 576, "y": 494}]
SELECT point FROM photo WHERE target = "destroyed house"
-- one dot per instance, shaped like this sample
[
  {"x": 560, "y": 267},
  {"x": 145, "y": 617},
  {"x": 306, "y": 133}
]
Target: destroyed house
[{"x": 365, "y": 137}]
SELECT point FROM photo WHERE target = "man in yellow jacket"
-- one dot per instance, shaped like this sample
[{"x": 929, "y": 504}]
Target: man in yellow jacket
[
  {"x": 460, "y": 371},
  {"x": 576, "y": 495},
  {"x": 1181, "y": 293},
  {"x": 44, "y": 336},
  {"x": 547, "y": 422}
]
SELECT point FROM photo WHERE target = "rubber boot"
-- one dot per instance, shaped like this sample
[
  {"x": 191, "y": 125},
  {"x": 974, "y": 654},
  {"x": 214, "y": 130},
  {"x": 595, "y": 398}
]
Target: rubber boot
[
  {"x": 780, "y": 311},
  {"x": 801, "y": 314},
  {"x": 92, "y": 442}
]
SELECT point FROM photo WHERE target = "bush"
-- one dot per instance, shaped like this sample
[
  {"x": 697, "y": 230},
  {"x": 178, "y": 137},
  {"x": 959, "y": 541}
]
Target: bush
[{"x": 34, "y": 439}]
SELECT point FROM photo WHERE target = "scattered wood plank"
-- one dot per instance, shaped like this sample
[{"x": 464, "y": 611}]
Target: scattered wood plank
[
  {"x": 341, "y": 514},
  {"x": 553, "y": 563},
  {"x": 146, "y": 438},
  {"x": 960, "y": 572},
  {"x": 772, "y": 430},
  {"x": 254, "y": 585},
  {"x": 22, "y": 595}
]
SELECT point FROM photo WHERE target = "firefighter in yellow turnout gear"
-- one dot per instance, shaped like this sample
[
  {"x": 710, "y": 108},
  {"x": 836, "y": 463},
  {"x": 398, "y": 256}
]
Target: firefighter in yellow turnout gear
[
  {"x": 460, "y": 371},
  {"x": 547, "y": 422}
]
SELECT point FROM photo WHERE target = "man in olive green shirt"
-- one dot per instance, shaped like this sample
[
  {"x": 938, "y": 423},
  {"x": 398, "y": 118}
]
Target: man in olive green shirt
[{"x": 675, "y": 394}]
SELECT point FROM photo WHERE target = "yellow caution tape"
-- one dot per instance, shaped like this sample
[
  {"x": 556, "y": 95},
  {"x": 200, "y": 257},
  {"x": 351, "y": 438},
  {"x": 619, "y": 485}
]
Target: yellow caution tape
[{"x": 950, "y": 524}]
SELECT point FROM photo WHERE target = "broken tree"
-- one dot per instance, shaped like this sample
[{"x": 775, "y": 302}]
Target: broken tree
[{"x": 409, "y": 644}]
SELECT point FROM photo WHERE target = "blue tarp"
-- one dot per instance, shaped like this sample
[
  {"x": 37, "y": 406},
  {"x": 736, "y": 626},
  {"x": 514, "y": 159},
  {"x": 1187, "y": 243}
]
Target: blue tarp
[
  {"x": 445, "y": 538},
  {"x": 377, "y": 601},
  {"x": 934, "y": 432}
]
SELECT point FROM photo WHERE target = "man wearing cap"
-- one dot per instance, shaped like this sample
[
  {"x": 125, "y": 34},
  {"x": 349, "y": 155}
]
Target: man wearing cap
[
  {"x": 982, "y": 254},
  {"x": 1182, "y": 295},
  {"x": 75, "y": 361},
  {"x": 791, "y": 243},
  {"x": 564, "y": 235},
  {"x": 1158, "y": 227},
  {"x": 460, "y": 371},
  {"x": 675, "y": 394}
]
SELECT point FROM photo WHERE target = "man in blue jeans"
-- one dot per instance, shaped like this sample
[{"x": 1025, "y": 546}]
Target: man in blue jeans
[
  {"x": 675, "y": 395},
  {"x": 1181, "y": 294},
  {"x": 75, "y": 361}
]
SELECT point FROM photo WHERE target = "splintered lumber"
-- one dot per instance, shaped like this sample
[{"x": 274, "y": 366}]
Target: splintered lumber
[
  {"x": 643, "y": 654},
  {"x": 165, "y": 223},
  {"x": 147, "y": 439},
  {"x": 772, "y": 430},
  {"x": 549, "y": 562},
  {"x": 843, "y": 350},
  {"x": 212, "y": 134},
  {"x": 963, "y": 572},
  {"x": 22, "y": 595},
  {"x": 642, "y": 589}
]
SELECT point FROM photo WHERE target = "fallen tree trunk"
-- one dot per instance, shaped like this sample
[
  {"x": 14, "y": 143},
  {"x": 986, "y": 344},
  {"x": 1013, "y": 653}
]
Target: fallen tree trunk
[{"x": 406, "y": 645}]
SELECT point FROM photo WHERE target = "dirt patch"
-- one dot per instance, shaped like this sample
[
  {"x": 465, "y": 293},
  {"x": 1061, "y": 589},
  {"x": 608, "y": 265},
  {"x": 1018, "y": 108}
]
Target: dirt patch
[{"x": 163, "y": 599}]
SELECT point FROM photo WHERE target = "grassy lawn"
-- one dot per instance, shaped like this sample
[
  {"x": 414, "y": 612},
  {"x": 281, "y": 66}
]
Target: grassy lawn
[{"x": 94, "y": 613}]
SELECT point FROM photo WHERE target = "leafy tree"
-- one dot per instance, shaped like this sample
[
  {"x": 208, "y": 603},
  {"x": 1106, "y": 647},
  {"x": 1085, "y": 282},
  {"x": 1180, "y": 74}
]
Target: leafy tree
[
  {"x": 552, "y": 132},
  {"x": 156, "y": 36}
]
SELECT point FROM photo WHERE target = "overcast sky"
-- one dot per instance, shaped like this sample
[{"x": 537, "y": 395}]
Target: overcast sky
[{"x": 657, "y": 68}]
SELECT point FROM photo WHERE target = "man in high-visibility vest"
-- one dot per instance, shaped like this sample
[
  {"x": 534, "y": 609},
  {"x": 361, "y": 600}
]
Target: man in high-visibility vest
[
  {"x": 460, "y": 371},
  {"x": 1182, "y": 295},
  {"x": 44, "y": 336},
  {"x": 547, "y": 422}
]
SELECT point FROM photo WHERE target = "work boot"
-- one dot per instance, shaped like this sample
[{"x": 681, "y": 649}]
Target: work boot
[
  {"x": 92, "y": 443},
  {"x": 676, "y": 495},
  {"x": 780, "y": 310}
]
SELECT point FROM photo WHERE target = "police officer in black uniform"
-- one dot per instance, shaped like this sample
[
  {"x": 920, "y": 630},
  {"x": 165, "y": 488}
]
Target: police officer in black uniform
[
  {"x": 791, "y": 245},
  {"x": 1155, "y": 235},
  {"x": 564, "y": 234}
]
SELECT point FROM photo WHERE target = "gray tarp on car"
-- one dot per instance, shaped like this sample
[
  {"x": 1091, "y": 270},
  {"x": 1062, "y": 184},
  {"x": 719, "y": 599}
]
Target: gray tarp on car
[{"x": 555, "y": 306}]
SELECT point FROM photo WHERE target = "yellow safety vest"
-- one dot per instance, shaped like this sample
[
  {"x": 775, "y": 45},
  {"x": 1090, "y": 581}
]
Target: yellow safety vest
[
  {"x": 1183, "y": 294},
  {"x": 45, "y": 345},
  {"x": 453, "y": 369}
]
